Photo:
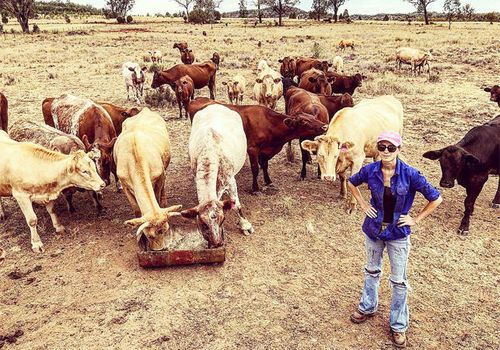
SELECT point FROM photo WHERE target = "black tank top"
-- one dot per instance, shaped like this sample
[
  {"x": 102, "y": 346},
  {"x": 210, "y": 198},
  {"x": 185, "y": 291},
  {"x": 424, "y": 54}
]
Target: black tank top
[{"x": 389, "y": 204}]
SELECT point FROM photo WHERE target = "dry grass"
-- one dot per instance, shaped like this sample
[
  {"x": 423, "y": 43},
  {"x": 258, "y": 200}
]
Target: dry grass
[{"x": 293, "y": 284}]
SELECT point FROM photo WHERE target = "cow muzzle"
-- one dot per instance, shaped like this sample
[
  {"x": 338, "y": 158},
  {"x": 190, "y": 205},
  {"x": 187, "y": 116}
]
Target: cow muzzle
[
  {"x": 446, "y": 184},
  {"x": 328, "y": 177}
]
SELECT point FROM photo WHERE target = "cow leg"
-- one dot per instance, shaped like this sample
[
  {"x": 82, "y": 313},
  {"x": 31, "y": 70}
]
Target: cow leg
[
  {"x": 211, "y": 87},
  {"x": 2, "y": 210},
  {"x": 55, "y": 220},
  {"x": 289, "y": 153},
  {"x": 244, "y": 224},
  {"x": 95, "y": 198},
  {"x": 343, "y": 185},
  {"x": 179, "y": 103},
  {"x": 128, "y": 92},
  {"x": 68, "y": 196},
  {"x": 31, "y": 219},
  {"x": 472, "y": 194},
  {"x": 305, "y": 159},
  {"x": 254, "y": 164},
  {"x": 496, "y": 201},
  {"x": 264, "y": 163},
  {"x": 159, "y": 188},
  {"x": 133, "y": 202}
]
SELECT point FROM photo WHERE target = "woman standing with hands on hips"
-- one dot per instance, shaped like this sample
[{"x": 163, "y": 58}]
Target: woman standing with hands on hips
[{"x": 393, "y": 185}]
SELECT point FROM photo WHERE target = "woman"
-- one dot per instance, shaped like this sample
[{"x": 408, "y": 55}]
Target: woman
[{"x": 393, "y": 185}]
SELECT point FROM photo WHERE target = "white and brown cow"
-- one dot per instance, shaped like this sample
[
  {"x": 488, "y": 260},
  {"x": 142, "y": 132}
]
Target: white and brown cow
[
  {"x": 236, "y": 89},
  {"x": 352, "y": 136},
  {"x": 40, "y": 177},
  {"x": 217, "y": 150},
  {"x": 134, "y": 77},
  {"x": 142, "y": 155},
  {"x": 24, "y": 130},
  {"x": 268, "y": 88},
  {"x": 88, "y": 121}
]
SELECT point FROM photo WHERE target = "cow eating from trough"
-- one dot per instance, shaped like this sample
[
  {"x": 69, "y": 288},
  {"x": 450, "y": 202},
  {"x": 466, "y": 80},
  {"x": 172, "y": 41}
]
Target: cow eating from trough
[
  {"x": 40, "y": 178},
  {"x": 217, "y": 150},
  {"x": 142, "y": 154},
  {"x": 469, "y": 162}
]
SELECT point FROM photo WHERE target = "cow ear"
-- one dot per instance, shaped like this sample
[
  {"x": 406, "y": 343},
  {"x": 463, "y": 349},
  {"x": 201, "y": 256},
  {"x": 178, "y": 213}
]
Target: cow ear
[
  {"x": 144, "y": 69},
  {"x": 310, "y": 146},
  {"x": 190, "y": 213},
  {"x": 312, "y": 80},
  {"x": 487, "y": 89},
  {"x": 433, "y": 154},
  {"x": 258, "y": 80},
  {"x": 330, "y": 79},
  {"x": 364, "y": 77},
  {"x": 280, "y": 61},
  {"x": 125, "y": 114},
  {"x": 347, "y": 145},
  {"x": 86, "y": 142},
  {"x": 346, "y": 100},
  {"x": 228, "y": 204},
  {"x": 224, "y": 83},
  {"x": 277, "y": 80},
  {"x": 131, "y": 69},
  {"x": 471, "y": 161},
  {"x": 329, "y": 64}
]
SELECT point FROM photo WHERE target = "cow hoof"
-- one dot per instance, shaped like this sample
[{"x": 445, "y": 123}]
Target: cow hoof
[
  {"x": 495, "y": 205},
  {"x": 60, "y": 230},
  {"x": 463, "y": 232},
  {"x": 257, "y": 193},
  {"x": 37, "y": 247},
  {"x": 246, "y": 228}
]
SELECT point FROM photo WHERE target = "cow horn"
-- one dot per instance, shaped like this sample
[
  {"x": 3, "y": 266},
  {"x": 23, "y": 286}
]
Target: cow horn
[{"x": 141, "y": 228}]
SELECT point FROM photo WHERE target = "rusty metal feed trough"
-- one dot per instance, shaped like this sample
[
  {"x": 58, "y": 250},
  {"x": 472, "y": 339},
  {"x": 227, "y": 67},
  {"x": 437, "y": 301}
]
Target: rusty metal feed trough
[{"x": 188, "y": 247}]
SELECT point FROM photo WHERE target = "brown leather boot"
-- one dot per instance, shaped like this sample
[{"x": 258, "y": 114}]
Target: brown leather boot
[
  {"x": 399, "y": 339},
  {"x": 359, "y": 317}
]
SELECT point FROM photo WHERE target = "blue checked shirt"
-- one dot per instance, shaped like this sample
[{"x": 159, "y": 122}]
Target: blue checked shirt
[{"x": 404, "y": 184}]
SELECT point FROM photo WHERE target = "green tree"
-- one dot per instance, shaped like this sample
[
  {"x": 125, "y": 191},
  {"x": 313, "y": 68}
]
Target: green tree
[
  {"x": 243, "y": 9},
  {"x": 468, "y": 11},
  {"x": 21, "y": 9},
  {"x": 186, "y": 4},
  {"x": 451, "y": 8},
  {"x": 119, "y": 8},
  {"x": 280, "y": 7},
  {"x": 421, "y": 6}
]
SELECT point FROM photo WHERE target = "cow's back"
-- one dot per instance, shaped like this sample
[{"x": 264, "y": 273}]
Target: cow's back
[
  {"x": 200, "y": 73},
  {"x": 67, "y": 111},
  {"x": 363, "y": 123},
  {"x": 483, "y": 142},
  {"x": 222, "y": 128}
]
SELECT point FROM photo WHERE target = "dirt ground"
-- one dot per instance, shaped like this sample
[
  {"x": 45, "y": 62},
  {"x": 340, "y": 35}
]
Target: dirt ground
[{"x": 286, "y": 286}]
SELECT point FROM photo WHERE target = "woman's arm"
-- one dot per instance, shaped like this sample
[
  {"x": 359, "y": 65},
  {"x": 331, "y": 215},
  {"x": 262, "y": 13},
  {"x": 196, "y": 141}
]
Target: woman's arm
[
  {"x": 407, "y": 220},
  {"x": 367, "y": 209}
]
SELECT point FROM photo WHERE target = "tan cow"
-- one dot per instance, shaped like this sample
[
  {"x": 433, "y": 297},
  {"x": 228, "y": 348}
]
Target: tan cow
[
  {"x": 142, "y": 154},
  {"x": 32, "y": 173},
  {"x": 414, "y": 57},
  {"x": 352, "y": 136},
  {"x": 268, "y": 88},
  {"x": 236, "y": 89},
  {"x": 343, "y": 44}
]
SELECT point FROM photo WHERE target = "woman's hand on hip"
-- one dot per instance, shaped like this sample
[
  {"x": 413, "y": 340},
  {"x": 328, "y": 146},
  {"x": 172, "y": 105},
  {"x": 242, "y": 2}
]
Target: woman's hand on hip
[
  {"x": 406, "y": 220},
  {"x": 370, "y": 211}
]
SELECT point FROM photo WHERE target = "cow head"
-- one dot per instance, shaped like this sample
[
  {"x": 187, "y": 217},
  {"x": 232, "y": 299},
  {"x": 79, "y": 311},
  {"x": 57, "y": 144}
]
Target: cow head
[
  {"x": 231, "y": 89},
  {"x": 210, "y": 218},
  {"x": 346, "y": 101},
  {"x": 102, "y": 154},
  {"x": 216, "y": 59},
  {"x": 181, "y": 46},
  {"x": 494, "y": 93},
  {"x": 331, "y": 154},
  {"x": 82, "y": 172},
  {"x": 288, "y": 67},
  {"x": 184, "y": 86},
  {"x": 453, "y": 160},
  {"x": 321, "y": 83},
  {"x": 138, "y": 76},
  {"x": 322, "y": 66},
  {"x": 154, "y": 228},
  {"x": 130, "y": 112},
  {"x": 288, "y": 83},
  {"x": 268, "y": 85},
  {"x": 158, "y": 80},
  {"x": 305, "y": 125},
  {"x": 358, "y": 79}
]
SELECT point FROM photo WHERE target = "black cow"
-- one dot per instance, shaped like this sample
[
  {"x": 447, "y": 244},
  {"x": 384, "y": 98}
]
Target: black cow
[
  {"x": 469, "y": 162},
  {"x": 494, "y": 93}
]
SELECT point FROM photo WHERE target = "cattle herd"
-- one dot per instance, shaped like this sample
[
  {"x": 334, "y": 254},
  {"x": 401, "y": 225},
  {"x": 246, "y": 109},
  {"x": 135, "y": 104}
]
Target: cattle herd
[{"x": 82, "y": 142}]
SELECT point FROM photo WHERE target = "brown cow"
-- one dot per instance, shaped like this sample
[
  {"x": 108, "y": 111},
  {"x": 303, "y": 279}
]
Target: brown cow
[
  {"x": 335, "y": 103},
  {"x": 343, "y": 44},
  {"x": 314, "y": 80},
  {"x": 187, "y": 56},
  {"x": 305, "y": 63},
  {"x": 118, "y": 114},
  {"x": 300, "y": 101},
  {"x": 203, "y": 74},
  {"x": 4, "y": 115},
  {"x": 494, "y": 93},
  {"x": 267, "y": 132},
  {"x": 184, "y": 92},
  {"x": 88, "y": 121},
  {"x": 344, "y": 83},
  {"x": 288, "y": 67}
]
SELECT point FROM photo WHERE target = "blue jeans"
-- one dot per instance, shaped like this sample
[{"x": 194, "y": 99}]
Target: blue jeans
[{"x": 398, "y": 251}]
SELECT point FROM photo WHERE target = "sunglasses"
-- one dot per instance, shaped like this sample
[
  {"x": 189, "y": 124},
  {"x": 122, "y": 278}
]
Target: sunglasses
[{"x": 390, "y": 148}]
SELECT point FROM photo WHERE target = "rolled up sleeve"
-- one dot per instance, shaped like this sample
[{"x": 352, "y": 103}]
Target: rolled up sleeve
[
  {"x": 360, "y": 177},
  {"x": 420, "y": 184}
]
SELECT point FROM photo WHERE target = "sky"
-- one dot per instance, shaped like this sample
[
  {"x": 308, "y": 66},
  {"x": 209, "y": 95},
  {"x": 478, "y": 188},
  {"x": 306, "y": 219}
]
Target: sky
[{"x": 368, "y": 7}]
